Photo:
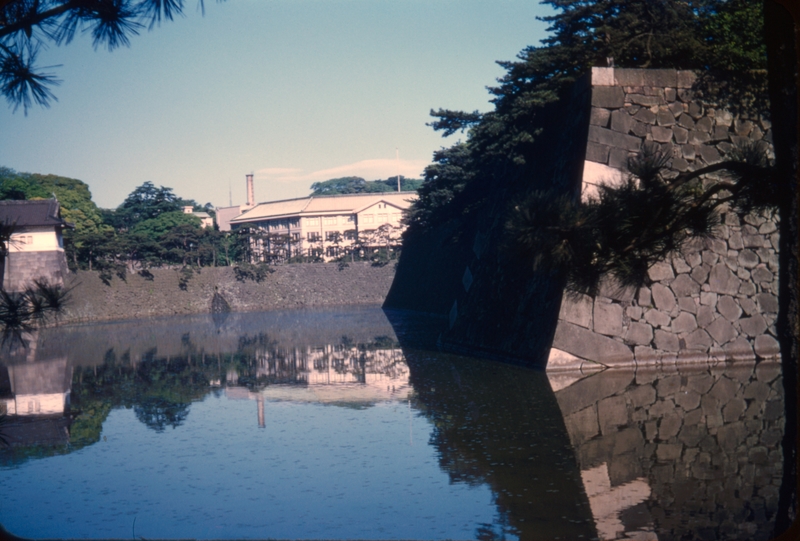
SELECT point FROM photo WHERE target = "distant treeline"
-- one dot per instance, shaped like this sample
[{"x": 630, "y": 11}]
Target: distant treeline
[{"x": 347, "y": 185}]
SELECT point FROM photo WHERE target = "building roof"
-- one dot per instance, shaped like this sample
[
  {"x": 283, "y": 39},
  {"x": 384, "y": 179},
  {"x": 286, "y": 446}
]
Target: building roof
[
  {"x": 322, "y": 205},
  {"x": 31, "y": 213}
]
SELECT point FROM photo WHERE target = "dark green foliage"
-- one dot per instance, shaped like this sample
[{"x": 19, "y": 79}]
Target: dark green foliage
[
  {"x": 584, "y": 242},
  {"x": 146, "y": 202},
  {"x": 445, "y": 180}
]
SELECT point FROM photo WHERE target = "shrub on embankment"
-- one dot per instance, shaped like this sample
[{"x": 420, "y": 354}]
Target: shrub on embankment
[{"x": 159, "y": 293}]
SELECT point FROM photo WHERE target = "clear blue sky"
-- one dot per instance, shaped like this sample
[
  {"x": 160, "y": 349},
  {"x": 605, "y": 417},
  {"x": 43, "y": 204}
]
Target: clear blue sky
[{"x": 294, "y": 91}]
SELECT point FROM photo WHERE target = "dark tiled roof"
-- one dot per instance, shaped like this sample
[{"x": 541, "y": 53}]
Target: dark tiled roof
[{"x": 27, "y": 213}]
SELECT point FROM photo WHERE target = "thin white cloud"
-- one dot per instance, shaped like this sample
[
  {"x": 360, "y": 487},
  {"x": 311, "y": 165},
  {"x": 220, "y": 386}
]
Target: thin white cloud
[
  {"x": 278, "y": 171},
  {"x": 367, "y": 169}
]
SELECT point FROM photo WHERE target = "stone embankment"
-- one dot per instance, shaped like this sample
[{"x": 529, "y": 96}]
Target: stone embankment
[
  {"x": 290, "y": 286},
  {"x": 708, "y": 438},
  {"x": 717, "y": 299}
]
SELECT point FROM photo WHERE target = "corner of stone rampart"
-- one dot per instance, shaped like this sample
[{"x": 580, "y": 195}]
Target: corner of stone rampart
[{"x": 714, "y": 301}]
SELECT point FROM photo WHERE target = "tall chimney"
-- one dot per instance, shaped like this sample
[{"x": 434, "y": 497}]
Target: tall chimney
[{"x": 251, "y": 199}]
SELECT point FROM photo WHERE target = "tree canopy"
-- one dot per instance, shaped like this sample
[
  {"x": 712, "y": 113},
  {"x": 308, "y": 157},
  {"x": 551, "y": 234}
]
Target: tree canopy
[
  {"x": 347, "y": 185},
  {"x": 28, "y": 25}
]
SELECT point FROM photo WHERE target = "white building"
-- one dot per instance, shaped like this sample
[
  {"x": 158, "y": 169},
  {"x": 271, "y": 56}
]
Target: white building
[
  {"x": 35, "y": 248},
  {"x": 325, "y": 226},
  {"x": 205, "y": 218}
]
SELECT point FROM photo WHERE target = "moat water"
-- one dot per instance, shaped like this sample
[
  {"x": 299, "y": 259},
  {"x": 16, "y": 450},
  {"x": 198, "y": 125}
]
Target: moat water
[{"x": 348, "y": 424}]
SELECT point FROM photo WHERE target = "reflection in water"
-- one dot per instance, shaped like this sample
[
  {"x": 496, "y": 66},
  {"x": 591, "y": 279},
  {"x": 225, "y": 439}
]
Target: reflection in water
[
  {"x": 644, "y": 455},
  {"x": 666, "y": 453}
]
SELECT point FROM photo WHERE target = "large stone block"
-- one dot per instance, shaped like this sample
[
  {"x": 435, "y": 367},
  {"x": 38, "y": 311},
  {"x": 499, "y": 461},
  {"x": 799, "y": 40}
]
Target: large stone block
[
  {"x": 766, "y": 346},
  {"x": 684, "y": 286},
  {"x": 646, "y": 101},
  {"x": 646, "y": 77},
  {"x": 660, "y": 271},
  {"x": 739, "y": 350},
  {"x": 609, "y": 97},
  {"x": 688, "y": 304},
  {"x": 700, "y": 273},
  {"x": 767, "y": 303},
  {"x": 669, "y": 452},
  {"x": 608, "y": 318},
  {"x": 669, "y": 426},
  {"x": 681, "y": 136},
  {"x": 657, "y": 318},
  {"x": 577, "y": 309},
  {"x": 748, "y": 259},
  {"x": 761, "y": 275},
  {"x": 753, "y": 326},
  {"x": 597, "y": 153},
  {"x": 646, "y": 116},
  {"x": 722, "y": 280},
  {"x": 685, "y": 78},
  {"x": 639, "y": 334},
  {"x": 621, "y": 121},
  {"x": 661, "y": 134},
  {"x": 698, "y": 340},
  {"x": 705, "y": 315},
  {"x": 610, "y": 138},
  {"x": 599, "y": 117},
  {"x": 721, "y": 331},
  {"x": 664, "y": 117},
  {"x": 684, "y": 323},
  {"x": 708, "y": 153},
  {"x": 663, "y": 297},
  {"x": 588, "y": 345},
  {"x": 729, "y": 308},
  {"x": 667, "y": 341}
]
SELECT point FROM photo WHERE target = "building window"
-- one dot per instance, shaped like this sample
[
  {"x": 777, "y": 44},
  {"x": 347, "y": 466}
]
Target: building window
[
  {"x": 296, "y": 237},
  {"x": 350, "y": 234},
  {"x": 294, "y": 222},
  {"x": 351, "y": 218},
  {"x": 313, "y": 236},
  {"x": 330, "y": 220},
  {"x": 332, "y": 251},
  {"x": 383, "y": 218},
  {"x": 331, "y": 236},
  {"x": 368, "y": 219},
  {"x": 396, "y": 216},
  {"x": 312, "y": 221}
]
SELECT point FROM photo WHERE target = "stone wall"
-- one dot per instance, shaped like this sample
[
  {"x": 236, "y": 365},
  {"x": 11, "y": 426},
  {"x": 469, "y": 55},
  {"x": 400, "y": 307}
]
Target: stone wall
[
  {"x": 22, "y": 268},
  {"x": 290, "y": 286},
  {"x": 715, "y": 300},
  {"x": 708, "y": 438}
]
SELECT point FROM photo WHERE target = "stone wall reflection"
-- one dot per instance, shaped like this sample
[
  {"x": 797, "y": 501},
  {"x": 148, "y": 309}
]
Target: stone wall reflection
[{"x": 663, "y": 454}]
